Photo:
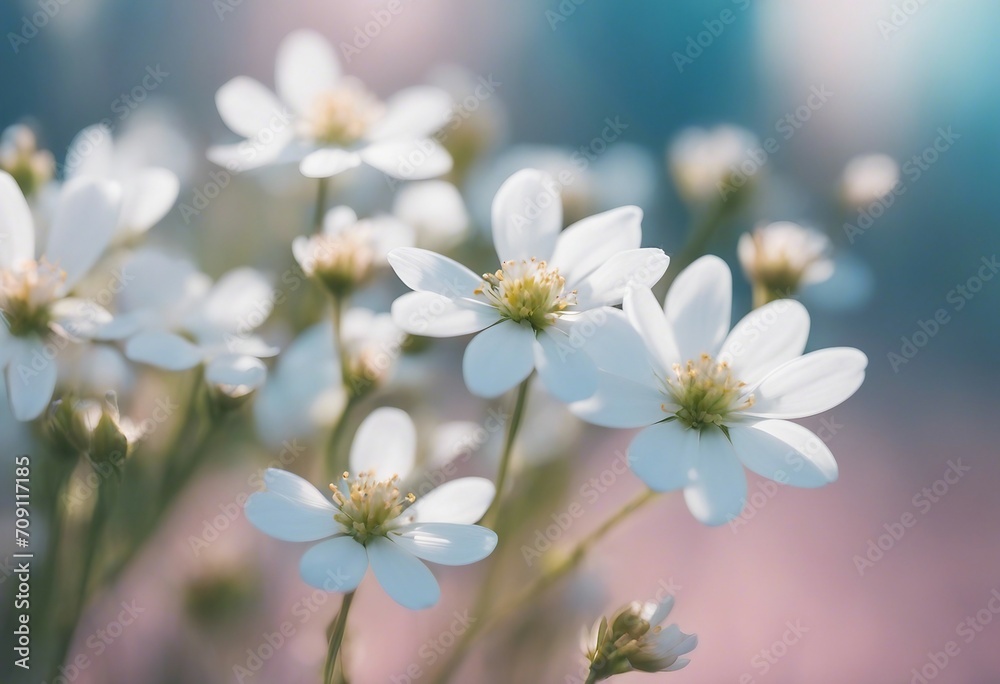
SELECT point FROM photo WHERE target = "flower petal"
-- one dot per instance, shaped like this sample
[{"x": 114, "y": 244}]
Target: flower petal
[
  {"x": 91, "y": 152},
  {"x": 291, "y": 509},
  {"x": 408, "y": 159},
  {"x": 663, "y": 455},
  {"x": 784, "y": 452},
  {"x": 620, "y": 403},
  {"x": 385, "y": 444},
  {"x": 248, "y": 107},
  {"x": 446, "y": 543},
  {"x": 327, "y": 162},
  {"x": 239, "y": 302},
  {"x": 766, "y": 338},
  {"x": 588, "y": 243},
  {"x": 434, "y": 315},
  {"x": 405, "y": 579},
  {"x": 147, "y": 199},
  {"x": 498, "y": 358},
  {"x": 426, "y": 271},
  {"x": 84, "y": 221},
  {"x": 566, "y": 369},
  {"x": 337, "y": 564},
  {"x": 611, "y": 341},
  {"x": 31, "y": 377},
  {"x": 647, "y": 317},
  {"x": 163, "y": 350},
  {"x": 608, "y": 284},
  {"x": 462, "y": 501},
  {"x": 236, "y": 370},
  {"x": 810, "y": 384},
  {"x": 527, "y": 216},
  {"x": 719, "y": 488},
  {"x": 699, "y": 306},
  {"x": 306, "y": 67},
  {"x": 17, "y": 229},
  {"x": 415, "y": 112}
]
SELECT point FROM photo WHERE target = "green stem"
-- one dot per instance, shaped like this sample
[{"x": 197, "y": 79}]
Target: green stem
[
  {"x": 336, "y": 464},
  {"x": 320, "y": 208},
  {"x": 489, "y": 519},
  {"x": 337, "y": 638},
  {"x": 591, "y": 678}
]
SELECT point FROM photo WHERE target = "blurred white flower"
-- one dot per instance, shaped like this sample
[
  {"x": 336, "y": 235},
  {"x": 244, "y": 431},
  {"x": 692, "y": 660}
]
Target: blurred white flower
[
  {"x": 148, "y": 193},
  {"x": 348, "y": 251},
  {"x": 714, "y": 400},
  {"x": 635, "y": 639},
  {"x": 39, "y": 316},
  {"x": 548, "y": 307},
  {"x": 31, "y": 167},
  {"x": 436, "y": 212},
  {"x": 193, "y": 322},
  {"x": 329, "y": 122},
  {"x": 371, "y": 522},
  {"x": 702, "y": 161},
  {"x": 867, "y": 179},
  {"x": 779, "y": 258}
]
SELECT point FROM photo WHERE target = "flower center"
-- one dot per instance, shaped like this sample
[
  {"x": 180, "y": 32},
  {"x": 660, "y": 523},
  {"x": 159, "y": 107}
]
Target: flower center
[
  {"x": 706, "y": 393},
  {"x": 369, "y": 507},
  {"x": 341, "y": 261},
  {"x": 527, "y": 291},
  {"x": 26, "y": 294},
  {"x": 343, "y": 115}
]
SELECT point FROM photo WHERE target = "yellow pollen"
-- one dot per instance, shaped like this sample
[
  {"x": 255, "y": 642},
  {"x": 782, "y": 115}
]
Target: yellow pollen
[
  {"x": 705, "y": 393},
  {"x": 527, "y": 291}
]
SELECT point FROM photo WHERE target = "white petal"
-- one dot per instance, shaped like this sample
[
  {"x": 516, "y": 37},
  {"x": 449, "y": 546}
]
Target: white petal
[
  {"x": 446, "y": 543},
  {"x": 84, "y": 221},
  {"x": 498, "y": 358},
  {"x": 386, "y": 444},
  {"x": 611, "y": 341},
  {"x": 291, "y": 509},
  {"x": 236, "y": 370},
  {"x": 337, "y": 564},
  {"x": 244, "y": 157},
  {"x": 17, "y": 230},
  {"x": 163, "y": 350},
  {"x": 810, "y": 384},
  {"x": 784, "y": 452},
  {"x": 405, "y": 579},
  {"x": 413, "y": 113},
  {"x": 463, "y": 501},
  {"x": 239, "y": 302},
  {"x": 426, "y": 271},
  {"x": 699, "y": 306},
  {"x": 719, "y": 489},
  {"x": 434, "y": 315},
  {"x": 247, "y": 107},
  {"x": 567, "y": 370},
  {"x": 31, "y": 377},
  {"x": 91, "y": 153},
  {"x": 663, "y": 455},
  {"x": 408, "y": 159},
  {"x": 388, "y": 233},
  {"x": 588, "y": 243},
  {"x": 306, "y": 67},
  {"x": 647, "y": 317},
  {"x": 639, "y": 268},
  {"x": 527, "y": 216},
  {"x": 338, "y": 219},
  {"x": 147, "y": 199},
  {"x": 436, "y": 211},
  {"x": 327, "y": 162},
  {"x": 766, "y": 338},
  {"x": 85, "y": 319},
  {"x": 620, "y": 403}
]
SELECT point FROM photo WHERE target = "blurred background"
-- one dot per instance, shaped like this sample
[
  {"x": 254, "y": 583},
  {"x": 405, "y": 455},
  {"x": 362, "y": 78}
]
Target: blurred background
[{"x": 793, "y": 592}]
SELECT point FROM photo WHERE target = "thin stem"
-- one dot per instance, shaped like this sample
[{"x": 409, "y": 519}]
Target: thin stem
[
  {"x": 337, "y": 638},
  {"x": 320, "y": 208},
  {"x": 489, "y": 520},
  {"x": 591, "y": 678},
  {"x": 336, "y": 464}
]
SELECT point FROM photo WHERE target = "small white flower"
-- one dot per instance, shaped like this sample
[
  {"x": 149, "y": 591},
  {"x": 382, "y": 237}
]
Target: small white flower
[
  {"x": 782, "y": 257},
  {"x": 548, "y": 307},
  {"x": 38, "y": 313},
  {"x": 436, "y": 212},
  {"x": 713, "y": 402},
  {"x": 370, "y": 521},
  {"x": 148, "y": 192},
  {"x": 31, "y": 167},
  {"x": 868, "y": 178},
  {"x": 703, "y": 160},
  {"x": 330, "y": 122},
  {"x": 186, "y": 320},
  {"x": 348, "y": 251}
]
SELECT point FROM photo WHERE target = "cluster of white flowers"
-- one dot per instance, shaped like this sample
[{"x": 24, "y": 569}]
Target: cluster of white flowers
[{"x": 571, "y": 304}]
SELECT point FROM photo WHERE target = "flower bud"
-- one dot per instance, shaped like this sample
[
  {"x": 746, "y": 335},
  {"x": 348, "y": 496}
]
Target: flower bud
[
  {"x": 778, "y": 259},
  {"x": 20, "y": 157}
]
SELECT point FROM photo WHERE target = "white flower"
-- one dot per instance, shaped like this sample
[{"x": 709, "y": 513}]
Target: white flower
[
  {"x": 348, "y": 251},
  {"x": 782, "y": 257},
  {"x": 371, "y": 521},
  {"x": 868, "y": 178},
  {"x": 549, "y": 301},
  {"x": 330, "y": 122},
  {"x": 186, "y": 321},
  {"x": 31, "y": 167},
  {"x": 713, "y": 402},
  {"x": 39, "y": 316},
  {"x": 148, "y": 192},
  {"x": 703, "y": 161},
  {"x": 436, "y": 212}
]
